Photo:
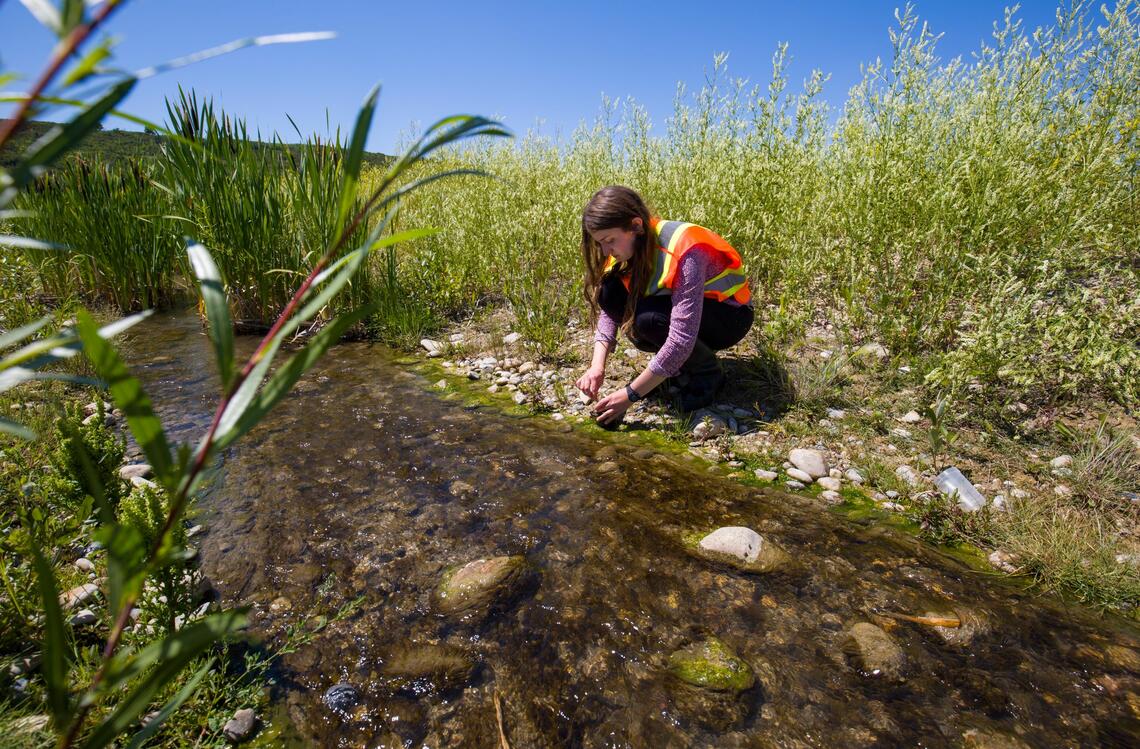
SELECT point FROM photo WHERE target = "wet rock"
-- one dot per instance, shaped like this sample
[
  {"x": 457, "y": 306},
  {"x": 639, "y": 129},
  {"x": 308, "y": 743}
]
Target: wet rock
[
  {"x": 341, "y": 697},
  {"x": 240, "y": 727},
  {"x": 711, "y": 665},
  {"x": 418, "y": 670},
  {"x": 476, "y": 586},
  {"x": 831, "y": 484},
  {"x": 138, "y": 469},
  {"x": 1122, "y": 658},
  {"x": 798, "y": 475},
  {"x": 873, "y": 651},
  {"x": 460, "y": 488},
  {"x": 812, "y": 462},
  {"x": 907, "y": 474},
  {"x": 977, "y": 738},
  {"x": 766, "y": 475},
  {"x": 742, "y": 548}
]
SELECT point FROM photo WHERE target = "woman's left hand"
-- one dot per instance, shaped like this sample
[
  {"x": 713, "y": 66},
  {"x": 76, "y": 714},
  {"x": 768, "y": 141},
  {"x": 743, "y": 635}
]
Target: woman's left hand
[{"x": 612, "y": 407}]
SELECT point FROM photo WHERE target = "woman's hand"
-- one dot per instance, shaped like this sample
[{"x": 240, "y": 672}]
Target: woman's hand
[
  {"x": 591, "y": 382},
  {"x": 612, "y": 407}
]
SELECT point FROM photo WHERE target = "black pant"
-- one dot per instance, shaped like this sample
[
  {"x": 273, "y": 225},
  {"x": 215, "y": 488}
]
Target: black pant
[{"x": 722, "y": 325}]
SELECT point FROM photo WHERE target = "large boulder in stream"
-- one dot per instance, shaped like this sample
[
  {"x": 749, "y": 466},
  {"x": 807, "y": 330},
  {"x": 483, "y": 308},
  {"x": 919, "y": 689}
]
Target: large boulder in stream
[
  {"x": 873, "y": 651},
  {"x": 739, "y": 547},
  {"x": 711, "y": 684},
  {"x": 417, "y": 670},
  {"x": 474, "y": 588}
]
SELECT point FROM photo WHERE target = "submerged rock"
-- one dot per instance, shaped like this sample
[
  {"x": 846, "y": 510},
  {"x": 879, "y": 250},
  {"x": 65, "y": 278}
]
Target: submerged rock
[
  {"x": 873, "y": 651},
  {"x": 341, "y": 697},
  {"x": 985, "y": 739},
  {"x": 711, "y": 665},
  {"x": 419, "y": 670},
  {"x": 742, "y": 548},
  {"x": 478, "y": 585}
]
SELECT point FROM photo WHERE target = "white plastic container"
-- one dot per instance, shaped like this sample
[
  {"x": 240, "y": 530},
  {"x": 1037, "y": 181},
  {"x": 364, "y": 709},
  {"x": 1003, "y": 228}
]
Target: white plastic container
[{"x": 951, "y": 482}]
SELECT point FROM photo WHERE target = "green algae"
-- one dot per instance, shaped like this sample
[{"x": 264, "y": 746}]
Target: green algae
[{"x": 711, "y": 665}]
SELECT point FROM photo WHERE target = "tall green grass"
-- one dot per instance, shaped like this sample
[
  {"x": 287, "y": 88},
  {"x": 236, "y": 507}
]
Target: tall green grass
[
  {"x": 121, "y": 247},
  {"x": 979, "y": 217}
]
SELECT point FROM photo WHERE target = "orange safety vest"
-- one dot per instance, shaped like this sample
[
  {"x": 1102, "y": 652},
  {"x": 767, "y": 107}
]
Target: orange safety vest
[{"x": 674, "y": 239}]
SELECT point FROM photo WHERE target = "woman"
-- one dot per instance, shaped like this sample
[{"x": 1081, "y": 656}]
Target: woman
[{"x": 674, "y": 288}]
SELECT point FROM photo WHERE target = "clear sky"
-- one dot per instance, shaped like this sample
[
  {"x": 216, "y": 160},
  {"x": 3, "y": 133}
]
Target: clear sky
[{"x": 524, "y": 62}]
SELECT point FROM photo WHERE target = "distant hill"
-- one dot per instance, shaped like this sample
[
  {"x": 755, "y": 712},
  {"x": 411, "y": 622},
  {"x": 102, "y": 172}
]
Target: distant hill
[{"x": 116, "y": 145}]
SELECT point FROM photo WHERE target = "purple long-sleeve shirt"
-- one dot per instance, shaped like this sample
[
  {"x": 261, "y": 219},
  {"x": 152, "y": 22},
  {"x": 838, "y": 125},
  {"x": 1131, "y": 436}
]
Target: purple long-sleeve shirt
[{"x": 697, "y": 266}]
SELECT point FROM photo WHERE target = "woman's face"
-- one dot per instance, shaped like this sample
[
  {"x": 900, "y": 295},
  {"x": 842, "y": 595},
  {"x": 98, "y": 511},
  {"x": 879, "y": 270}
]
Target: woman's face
[{"x": 618, "y": 243}]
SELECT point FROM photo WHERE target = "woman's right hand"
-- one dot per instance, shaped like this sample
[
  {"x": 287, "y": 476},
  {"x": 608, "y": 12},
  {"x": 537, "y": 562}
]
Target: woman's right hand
[{"x": 591, "y": 382}]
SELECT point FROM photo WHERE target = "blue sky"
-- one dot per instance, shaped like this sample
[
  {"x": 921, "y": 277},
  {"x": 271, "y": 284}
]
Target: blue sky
[{"x": 525, "y": 62}]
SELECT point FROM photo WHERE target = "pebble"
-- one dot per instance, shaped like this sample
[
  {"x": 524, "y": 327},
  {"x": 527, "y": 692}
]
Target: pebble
[
  {"x": 511, "y": 338},
  {"x": 519, "y": 398},
  {"x": 84, "y": 564},
  {"x": 892, "y": 494},
  {"x": 433, "y": 348},
  {"x": 341, "y": 697},
  {"x": 766, "y": 475},
  {"x": 907, "y": 474},
  {"x": 854, "y": 476},
  {"x": 836, "y": 413},
  {"x": 1061, "y": 461},
  {"x": 811, "y": 462},
  {"x": 901, "y": 433},
  {"x": 1003, "y": 560},
  {"x": 78, "y": 595},
  {"x": 794, "y": 485},
  {"x": 799, "y": 475},
  {"x": 139, "y": 469},
  {"x": 1062, "y": 491},
  {"x": 737, "y": 541},
  {"x": 139, "y": 481},
  {"x": 441, "y": 384},
  {"x": 83, "y": 618},
  {"x": 831, "y": 484},
  {"x": 910, "y": 417},
  {"x": 241, "y": 726},
  {"x": 831, "y": 497}
]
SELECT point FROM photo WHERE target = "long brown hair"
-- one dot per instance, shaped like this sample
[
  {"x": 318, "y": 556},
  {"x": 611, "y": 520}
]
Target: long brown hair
[{"x": 615, "y": 207}]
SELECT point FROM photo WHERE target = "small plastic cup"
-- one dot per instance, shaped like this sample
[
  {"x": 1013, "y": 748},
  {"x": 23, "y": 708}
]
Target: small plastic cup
[{"x": 951, "y": 482}]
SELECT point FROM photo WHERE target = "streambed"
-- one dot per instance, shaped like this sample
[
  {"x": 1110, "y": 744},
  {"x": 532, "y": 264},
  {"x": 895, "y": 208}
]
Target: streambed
[{"x": 368, "y": 481}]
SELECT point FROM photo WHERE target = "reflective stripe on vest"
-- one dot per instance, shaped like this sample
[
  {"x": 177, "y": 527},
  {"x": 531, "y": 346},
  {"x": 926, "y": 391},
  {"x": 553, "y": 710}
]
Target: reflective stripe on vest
[{"x": 674, "y": 239}]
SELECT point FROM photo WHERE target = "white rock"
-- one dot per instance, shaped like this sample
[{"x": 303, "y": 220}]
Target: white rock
[
  {"x": 910, "y": 417},
  {"x": 836, "y": 413},
  {"x": 557, "y": 416},
  {"x": 877, "y": 350},
  {"x": 1003, "y": 560},
  {"x": 907, "y": 474},
  {"x": 139, "y": 469},
  {"x": 442, "y": 384},
  {"x": 84, "y": 564},
  {"x": 456, "y": 338},
  {"x": 830, "y": 483},
  {"x": 738, "y": 541},
  {"x": 138, "y": 481},
  {"x": 811, "y": 462},
  {"x": 766, "y": 475},
  {"x": 433, "y": 348},
  {"x": 854, "y": 476},
  {"x": 526, "y": 367},
  {"x": 78, "y": 595},
  {"x": 794, "y": 485},
  {"x": 493, "y": 389},
  {"x": 901, "y": 433},
  {"x": 519, "y": 398},
  {"x": 1061, "y": 490},
  {"x": 831, "y": 497},
  {"x": 835, "y": 473},
  {"x": 891, "y": 494},
  {"x": 892, "y": 506},
  {"x": 83, "y": 618},
  {"x": 510, "y": 338},
  {"x": 799, "y": 475},
  {"x": 1061, "y": 461}
]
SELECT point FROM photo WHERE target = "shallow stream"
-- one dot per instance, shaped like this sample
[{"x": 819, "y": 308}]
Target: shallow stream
[{"x": 368, "y": 481}]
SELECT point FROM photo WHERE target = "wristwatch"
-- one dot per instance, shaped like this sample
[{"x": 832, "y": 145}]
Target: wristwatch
[{"x": 632, "y": 394}]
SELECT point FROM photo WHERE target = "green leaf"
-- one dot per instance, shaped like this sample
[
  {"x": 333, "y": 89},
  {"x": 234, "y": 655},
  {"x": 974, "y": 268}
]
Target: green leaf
[
  {"x": 45, "y": 12},
  {"x": 60, "y": 139},
  {"x": 217, "y": 309},
  {"x": 128, "y": 395},
  {"x": 16, "y": 430},
  {"x": 72, "y": 16},
  {"x": 86, "y": 67},
  {"x": 56, "y": 646},
  {"x": 168, "y": 709},
  {"x": 287, "y": 375},
  {"x": 7, "y": 240},
  {"x": 22, "y": 332},
  {"x": 353, "y": 159},
  {"x": 168, "y": 658}
]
